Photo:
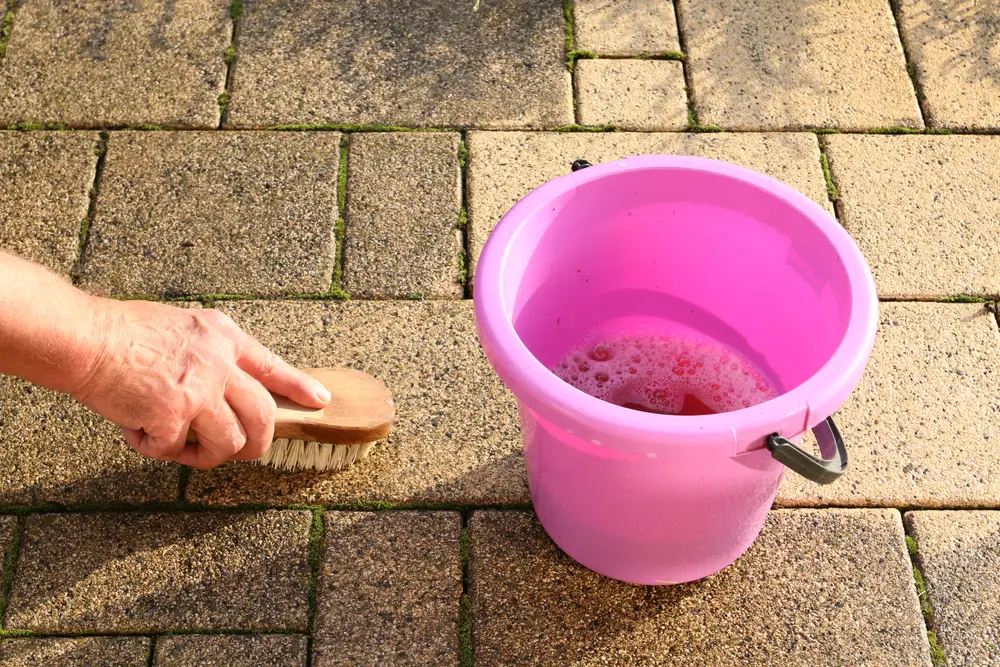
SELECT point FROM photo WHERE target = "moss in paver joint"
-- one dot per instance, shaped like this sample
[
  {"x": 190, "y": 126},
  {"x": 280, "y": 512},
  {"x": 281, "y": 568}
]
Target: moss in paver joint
[
  {"x": 9, "y": 564},
  {"x": 463, "y": 154},
  {"x": 569, "y": 37},
  {"x": 466, "y": 656},
  {"x": 340, "y": 226},
  {"x": 668, "y": 55},
  {"x": 84, "y": 234},
  {"x": 962, "y": 298},
  {"x": 937, "y": 652},
  {"x": 315, "y": 557},
  {"x": 353, "y": 127},
  {"x": 223, "y": 102},
  {"x": 463, "y": 268},
  {"x": 34, "y": 127},
  {"x": 587, "y": 128},
  {"x": 236, "y": 10},
  {"x": 911, "y": 68},
  {"x": 229, "y": 55},
  {"x": 828, "y": 130},
  {"x": 463, "y": 218},
  {"x": 831, "y": 187},
  {"x": 6, "y": 26}
]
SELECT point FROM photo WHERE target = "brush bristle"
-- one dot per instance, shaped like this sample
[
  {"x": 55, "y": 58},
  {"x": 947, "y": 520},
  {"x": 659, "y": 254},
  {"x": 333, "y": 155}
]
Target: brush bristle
[{"x": 301, "y": 455}]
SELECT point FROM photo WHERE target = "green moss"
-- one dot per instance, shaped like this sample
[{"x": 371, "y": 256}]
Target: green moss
[
  {"x": 705, "y": 128},
  {"x": 463, "y": 218},
  {"x": 925, "y": 604},
  {"x": 961, "y": 298},
  {"x": 236, "y": 10},
  {"x": 911, "y": 547},
  {"x": 353, "y": 127},
  {"x": 587, "y": 128},
  {"x": 937, "y": 653},
  {"x": 568, "y": 33},
  {"x": 937, "y": 130},
  {"x": 828, "y": 130},
  {"x": 669, "y": 55},
  {"x": 6, "y": 27},
  {"x": 831, "y": 188},
  {"x": 223, "y": 102},
  {"x": 11, "y": 634},
  {"x": 33, "y": 127},
  {"x": 581, "y": 54},
  {"x": 463, "y": 154},
  {"x": 894, "y": 130},
  {"x": 415, "y": 296},
  {"x": 148, "y": 127},
  {"x": 315, "y": 556},
  {"x": 463, "y": 268},
  {"x": 465, "y": 546},
  {"x": 340, "y": 227},
  {"x": 229, "y": 55},
  {"x": 9, "y": 565},
  {"x": 465, "y": 637}
]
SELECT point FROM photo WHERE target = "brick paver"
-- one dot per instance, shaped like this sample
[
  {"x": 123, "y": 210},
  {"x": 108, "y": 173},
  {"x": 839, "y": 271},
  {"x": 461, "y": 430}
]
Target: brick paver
[
  {"x": 75, "y": 652},
  {"x": 825, "y": 587},
  {"x": 137, "y": 572},
  {"x": 404, "y": 205},
  {"x": 94, "y": 63},
  {"x": 389, "y": 589},
  {"x": 45, "y": 178},
  {"x": 787, "y": 65},
  {"x": 953, "y": 45},
  {"x": 54, "y": 450},
  {"x": 625, "y": 27},
  {"x": 231, "y": 651},
  {"x": 959, "y": 554},
  {"x": 632, "y": 94},
  {"x": 924, "y": 210},
  {"x": 232, "y": 212},
  {"x": 456, "y": 435},
  {"x": 922, "y": 426},
  {"x": 434, "y": 63},
  {"x": 505, "y": 166}
]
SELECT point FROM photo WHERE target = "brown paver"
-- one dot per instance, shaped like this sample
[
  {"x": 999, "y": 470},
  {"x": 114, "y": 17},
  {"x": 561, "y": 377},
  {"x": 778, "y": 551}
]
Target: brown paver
[
  {"x": 75, "y": 652},
  {"x": 959, "y": 555},
  {"x": 456, "y": 435},
  {"x": 54, "y": 450},
  {"x": 389, "y": 589},
  {"x": 94, "y": 63},
  {"x": 632, "y": 94},
  {"x": 922, "y": 427},
  {"x": 953, "y": 46},
  {"x": 625, "y": 27},
  {"x": 209, "y": 212},
  {"x": 819, "y": 587},
  {"x": 505, "y": 166},
  {"x": 788, "y": 65},
  {"x": 404, "y": 202},
  {"x": 231, "y": 651},
  {"x": 924, "y": 210},
  {"x": 138, "y": 572},
  {"x": 435, "y": 63},
  {"x": 45, "y": 180}
]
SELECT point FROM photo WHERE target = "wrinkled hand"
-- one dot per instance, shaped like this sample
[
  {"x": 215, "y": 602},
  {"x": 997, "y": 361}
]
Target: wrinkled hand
[{"x": 162, "y": 370}]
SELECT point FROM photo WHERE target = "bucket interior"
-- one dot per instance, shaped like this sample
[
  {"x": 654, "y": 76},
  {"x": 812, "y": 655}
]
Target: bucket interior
[{"x": 685, "y": 251}]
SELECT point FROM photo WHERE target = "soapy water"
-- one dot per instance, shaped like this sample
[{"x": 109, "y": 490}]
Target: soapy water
[{"x": 673, "y": 375}]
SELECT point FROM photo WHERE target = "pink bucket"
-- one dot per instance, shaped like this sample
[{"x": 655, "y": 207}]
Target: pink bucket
[{"x": 685, "y": 243}]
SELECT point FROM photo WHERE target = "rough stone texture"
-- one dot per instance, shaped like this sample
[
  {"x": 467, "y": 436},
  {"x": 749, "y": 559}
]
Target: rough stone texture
[
  {"x": 819, "y": 587},
  {"x": 789, "y": 64},
  {"x": 389, "y": 589},
  {"x": 505, "y": 166},
  {"x": 75, "y": 652},
  {"x": 924, "y": 210},
  {"x": 954, "y": 47},
  {"x": 55, "y": 450},
  {"x": 922, "y": 427},
  {"x": 625, "y": 27},
  {"x": 413, "y": 63},
  {"x": 456, "y": 435},
  {"x": 632, "y": 94},
  {"x": 959, "y": 555},
  {"x": 45, "y": 180},
  {"x": 8, "y": 524},
  {"x": 125, "y": 62},
  {"x": 137, "y": 572},
  {"x": 231, "y": 651},
  {"x": 404, "y": 203},
  {"x": 209, "y": 212}
]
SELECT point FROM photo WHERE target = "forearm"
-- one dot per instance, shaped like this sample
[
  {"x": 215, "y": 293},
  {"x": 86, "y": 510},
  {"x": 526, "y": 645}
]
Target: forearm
[{"x": 51, "y": 333}]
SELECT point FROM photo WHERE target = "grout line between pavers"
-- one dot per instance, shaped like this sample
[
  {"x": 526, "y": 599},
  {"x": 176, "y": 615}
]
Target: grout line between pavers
[
  {"x": 180, "y": 632},
  {"x": 9, "y": 566},
  {"x": 229, "y": 58},
  {"x": 911, "y": 67},
  {"x": 463, "y": 218},
  {"x": 88, "y": 220},
  {"x": 832, "y": 191},
  {"x": 937, "y": 653},
  {"x": 183, "y": 476},
  {"x": 337, "y": 291},
  {"x": 315, "y": 559},
  {"x": 151, "y": 656},
  {"x": 466, "y": 620},
  {"x": 693, "y": 124}
]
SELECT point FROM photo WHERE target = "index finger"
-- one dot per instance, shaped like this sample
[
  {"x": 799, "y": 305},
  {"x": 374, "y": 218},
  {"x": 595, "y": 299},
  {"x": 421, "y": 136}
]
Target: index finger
[{"x": 280, "y": 378}]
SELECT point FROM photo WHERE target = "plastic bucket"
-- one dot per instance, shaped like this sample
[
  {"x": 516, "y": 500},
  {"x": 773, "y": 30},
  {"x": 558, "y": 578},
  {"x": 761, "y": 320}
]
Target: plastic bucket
[{"x": 686, "y": 244}]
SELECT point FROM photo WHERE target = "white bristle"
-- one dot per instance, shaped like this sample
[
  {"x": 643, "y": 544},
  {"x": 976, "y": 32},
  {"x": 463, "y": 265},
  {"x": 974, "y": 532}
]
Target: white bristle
[{"x": 295, "y": 455}]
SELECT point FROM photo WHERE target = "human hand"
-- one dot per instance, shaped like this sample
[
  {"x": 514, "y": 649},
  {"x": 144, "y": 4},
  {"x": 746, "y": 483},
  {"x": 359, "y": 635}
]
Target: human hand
[{"x": 161, "y": 370}]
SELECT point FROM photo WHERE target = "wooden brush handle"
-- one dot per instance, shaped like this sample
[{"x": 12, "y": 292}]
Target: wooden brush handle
[{"x": 360, "y": 411}]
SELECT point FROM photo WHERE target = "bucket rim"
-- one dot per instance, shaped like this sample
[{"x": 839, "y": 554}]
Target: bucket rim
[{"x": 789, "y": 414}]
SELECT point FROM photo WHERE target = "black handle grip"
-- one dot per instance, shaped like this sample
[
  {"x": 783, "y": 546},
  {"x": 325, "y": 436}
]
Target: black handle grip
[{"x": 822, "y": 471}]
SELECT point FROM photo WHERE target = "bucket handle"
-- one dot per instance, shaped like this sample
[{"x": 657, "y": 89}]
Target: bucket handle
[{"x": 822, "y": 471}]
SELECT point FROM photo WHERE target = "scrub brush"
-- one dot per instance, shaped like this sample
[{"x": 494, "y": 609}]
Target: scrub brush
[{"x": 359, "y": 413}]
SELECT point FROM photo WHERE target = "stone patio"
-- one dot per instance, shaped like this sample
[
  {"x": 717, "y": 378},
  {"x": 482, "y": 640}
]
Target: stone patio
[{"x": 273, "y": 158}]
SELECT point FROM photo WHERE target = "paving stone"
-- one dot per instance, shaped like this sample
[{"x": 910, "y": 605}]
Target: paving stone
[
  {"x": 389, "y": 589},
  {"x": 790, "y": 65},
  {"x": 232, "y": 651},
  {"x": 924, "y": 210},
  {"x": 404, "y": 203},
  {"x": 506, "y": 166},
  {"x": 75, "y": 652},
  {"x": 632, "y": 94},
  {"x": 819, "y": 587},
  {"x": 8, "y": 524},
  {"x": 923, "y": 427},
  {"x": 209, "y": 212},
  {"x": 126, "y": 62},
  {"x": 45, "y": 180},
  {"x": 953, "y": 46},
  {"x": 456, "y": 437},
  {"x": 55, "y": 450},
  {"x": 139, "y": 572},
  {"x": 959, "y": 556},
  {"x": 412, "y": 63},
  {"x": 625, "y": 27}
]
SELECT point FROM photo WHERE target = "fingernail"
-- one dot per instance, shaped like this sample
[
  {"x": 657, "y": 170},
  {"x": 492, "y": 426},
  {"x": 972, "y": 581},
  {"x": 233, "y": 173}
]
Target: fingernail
[{"x": 322, "y": 395}]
